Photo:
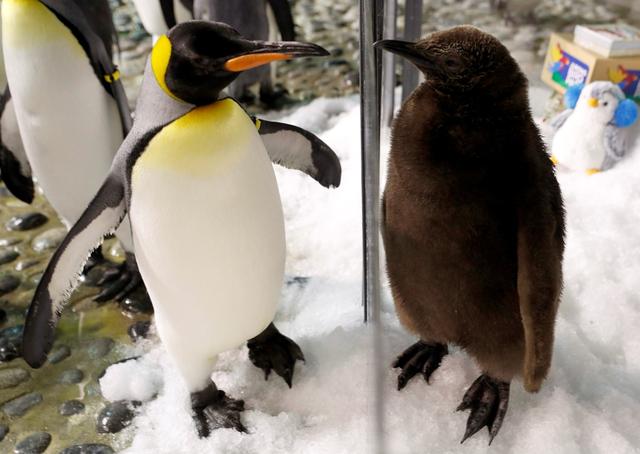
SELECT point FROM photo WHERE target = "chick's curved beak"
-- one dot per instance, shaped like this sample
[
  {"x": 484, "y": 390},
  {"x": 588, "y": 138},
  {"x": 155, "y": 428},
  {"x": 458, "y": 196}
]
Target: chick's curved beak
[
  {"x": 405, "y": 49},
  {"x": 267, "y": 52}
]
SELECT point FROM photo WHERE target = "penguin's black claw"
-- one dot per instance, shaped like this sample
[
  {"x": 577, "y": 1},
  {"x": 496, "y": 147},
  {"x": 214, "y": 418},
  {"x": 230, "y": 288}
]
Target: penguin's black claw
[
  {"x": 488, "y": 400},
  {"x": 271, "y": 350},
  {"x": 213, "y": 409},
  {"x": 420, "y": 357},
  {"x": 120, "y": 281}
]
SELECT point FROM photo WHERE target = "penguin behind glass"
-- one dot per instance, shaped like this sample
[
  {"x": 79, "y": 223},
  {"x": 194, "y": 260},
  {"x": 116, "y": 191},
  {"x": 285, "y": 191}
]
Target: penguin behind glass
[
  {"x": 195, "y": 155},
  {"x": 473, "y": 221},
  {"x": 249, "y": 17},
  {"x": 72, "y": 112}
]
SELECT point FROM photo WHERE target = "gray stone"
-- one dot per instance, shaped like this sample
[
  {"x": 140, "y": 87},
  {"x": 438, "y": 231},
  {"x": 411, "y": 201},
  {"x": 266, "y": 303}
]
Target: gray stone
[
  {"x": 60, "y": 353},
  {"x": 8, "y": 283},
  {"x": 8, "y": 256},
  {"x": 26, "y": 221},
  {"x": 71, "y": 377},
  {"x": 100, "y": 347},
  {"x": 33, "y": 281},
  {"x": 4, "y": 430},
  {"x": 139, "y": 330},
  {"x": 26, "y": 263},
  {"x": 92, "y": 448},
  {"x": 10, "y": 378},
  {"x": 10, "y": 343},
  {"x": 71, "y": 407},
  {"x": 35, "y": 443},
  {"x": 20, "y": 405},
  {"x": 49, "y": 239},
  {"x": 9, "y": 241},
  {"x": 114, "y": 417}
]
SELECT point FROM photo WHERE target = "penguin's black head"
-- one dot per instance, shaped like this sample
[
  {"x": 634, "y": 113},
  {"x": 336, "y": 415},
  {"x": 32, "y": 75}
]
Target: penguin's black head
[
  {"x": 196, "y": 60},
  {"x": 461, "y": 60}
]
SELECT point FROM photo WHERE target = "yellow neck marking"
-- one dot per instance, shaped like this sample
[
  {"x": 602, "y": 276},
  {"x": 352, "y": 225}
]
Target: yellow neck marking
[
  {"x": 160, "y": 56},
  {"x": 200, "y": 143}
]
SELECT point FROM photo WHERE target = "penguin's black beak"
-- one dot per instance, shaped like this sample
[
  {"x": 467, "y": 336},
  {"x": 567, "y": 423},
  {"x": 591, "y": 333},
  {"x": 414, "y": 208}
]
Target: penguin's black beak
[
  {"x": 405, "y": 49},
  {"x": 267, "y": 52}
]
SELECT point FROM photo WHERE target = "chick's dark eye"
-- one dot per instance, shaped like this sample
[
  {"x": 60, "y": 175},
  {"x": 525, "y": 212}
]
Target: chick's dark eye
[{"x": 605, "y": 103}]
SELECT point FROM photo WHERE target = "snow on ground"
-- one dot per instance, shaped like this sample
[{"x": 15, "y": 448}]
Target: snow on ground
[{"x": 589, "y": 404}]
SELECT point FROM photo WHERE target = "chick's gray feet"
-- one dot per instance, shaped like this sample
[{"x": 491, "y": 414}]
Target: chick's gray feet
[
  {"x": 120, "y": 281},
  {"x": 271, "y": 350},
  {"x": 488, "y": 400},
  {"x": 213, "y": 409},
  {"x": 421, "y": 357}
]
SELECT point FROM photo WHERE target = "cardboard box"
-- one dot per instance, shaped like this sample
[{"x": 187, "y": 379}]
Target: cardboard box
[{"x": 569, "y": 64}]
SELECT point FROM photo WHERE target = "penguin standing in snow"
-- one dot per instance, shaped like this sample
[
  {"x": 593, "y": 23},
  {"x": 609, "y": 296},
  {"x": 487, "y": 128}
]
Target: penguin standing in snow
[
  {"x": 473, "y": 222},
  {"x": 249, "y": 17},
  {"x": 193, "y": 155},
  {"x": 71, "y": 108},
  {"x": 589, "y": 134}
]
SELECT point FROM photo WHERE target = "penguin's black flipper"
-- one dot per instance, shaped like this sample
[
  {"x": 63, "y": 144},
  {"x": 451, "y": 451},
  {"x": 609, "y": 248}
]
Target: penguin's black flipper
[
  {"x": 295, "y": 148},
  {"x": 103, "y": 215},
  {"x": 81, "y": 22},
  {"x": 14, "y": 165},
  {"x": 284, "y": 18}
]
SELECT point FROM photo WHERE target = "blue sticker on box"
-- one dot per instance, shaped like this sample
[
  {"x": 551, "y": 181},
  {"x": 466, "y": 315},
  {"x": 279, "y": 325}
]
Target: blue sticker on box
[{"x": 566, "y": 70}]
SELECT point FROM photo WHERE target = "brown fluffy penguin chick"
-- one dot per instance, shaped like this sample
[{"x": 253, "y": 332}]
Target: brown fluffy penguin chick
[{"x": 473, "y": 221}]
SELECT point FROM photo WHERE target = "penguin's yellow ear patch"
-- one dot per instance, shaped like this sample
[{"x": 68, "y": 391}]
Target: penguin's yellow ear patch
[{"x": 160, "y": 56}]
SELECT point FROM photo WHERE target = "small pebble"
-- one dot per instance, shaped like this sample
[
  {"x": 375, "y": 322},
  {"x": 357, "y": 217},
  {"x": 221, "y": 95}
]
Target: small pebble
[
  {"x": 139, "y": 330},
  {"x": 49, "y": 239},
  {"x": 20, "y": 405},
  {"x": 59, "y": 353},
  {"x": 10, "y": 343},
  {"x": 27, "y": 221},
  {"x": 8, "y": 283},
  {"x": 26, "y": 263},
  {"x": 8, "y": 256},
  {"x": 71, "y": 376},
  {"x": 10, "y": 378},
  {"x": 71, "y": 407},
  {"x": 100, "y": 347},
  {"x": 4, "y": 430},
  {"x": 137, "y": 304},
  {"x": 114, "y": 417},
  {"x": 92, "y": 448},
  {"x": 9, "y": 241},
  {"x": 35, "y": 443}
]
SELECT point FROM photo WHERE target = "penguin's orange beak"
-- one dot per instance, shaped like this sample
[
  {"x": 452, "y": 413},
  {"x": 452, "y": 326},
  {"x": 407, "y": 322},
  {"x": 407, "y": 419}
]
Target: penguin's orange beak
[
  {"x": 266, "y": 52},
  {"x": 593, "y": 102}
]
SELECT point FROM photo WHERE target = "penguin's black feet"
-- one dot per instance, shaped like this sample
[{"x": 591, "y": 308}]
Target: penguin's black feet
[
  {"x": 120, "y": 281},
  {"x": 420, "y": 357},
  {"x": 271, "y": 350},
  {"x": 213, "y": 409},
  {"x": 275, "y": 97},
  {"x": 488, "y": 399}
]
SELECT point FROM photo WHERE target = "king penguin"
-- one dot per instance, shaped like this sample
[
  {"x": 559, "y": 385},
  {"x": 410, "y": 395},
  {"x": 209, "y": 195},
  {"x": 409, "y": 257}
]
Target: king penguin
[
  {"x": 193, "y": 154},
  {"x": 473, "y": 221},
  {"x": 249, "y": 17},
  {"x": 70, "y": 105}
]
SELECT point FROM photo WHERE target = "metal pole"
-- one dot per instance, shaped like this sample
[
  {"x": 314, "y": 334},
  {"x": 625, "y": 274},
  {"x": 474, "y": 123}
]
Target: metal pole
[
  {"x": 412, "y": 32},
  {"x": 371, "y": 20},
  {"x": 389, "y": 63}
]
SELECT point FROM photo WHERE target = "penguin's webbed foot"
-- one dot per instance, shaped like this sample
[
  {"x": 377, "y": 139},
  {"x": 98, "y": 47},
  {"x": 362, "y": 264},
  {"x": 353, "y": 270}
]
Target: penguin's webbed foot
[
  {"x": 420, "y": 357},
  {"x": 488, "y": 400},
  {"x": 213, "y": 409},
  {"x": 120, "y": 281},
  {"x": 271, "y": 350}
]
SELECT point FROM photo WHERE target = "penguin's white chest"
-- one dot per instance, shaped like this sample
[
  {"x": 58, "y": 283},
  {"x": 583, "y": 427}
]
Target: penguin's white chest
[
  {"x": 579, "y": 143},
  {"x": 208, "y": 230},
  {"x": 69, "y": 123}
]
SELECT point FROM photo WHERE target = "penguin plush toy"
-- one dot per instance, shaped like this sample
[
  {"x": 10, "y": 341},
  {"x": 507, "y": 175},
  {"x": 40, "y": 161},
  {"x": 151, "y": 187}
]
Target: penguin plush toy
[
  {"x": 590, "y": 135},
  {"x": 70, "y": 106},
  {"x": 195, "y": 176},
  {"x": 249, "y": 17}
]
